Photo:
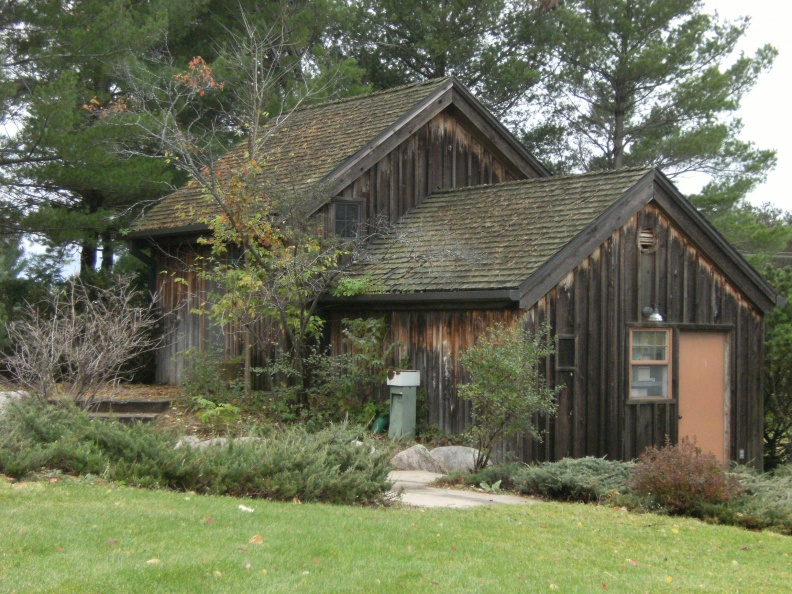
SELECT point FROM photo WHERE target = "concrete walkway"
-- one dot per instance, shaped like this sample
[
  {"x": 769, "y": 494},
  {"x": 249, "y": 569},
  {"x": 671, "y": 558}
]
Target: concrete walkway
[{"x": 411, "y": 487}]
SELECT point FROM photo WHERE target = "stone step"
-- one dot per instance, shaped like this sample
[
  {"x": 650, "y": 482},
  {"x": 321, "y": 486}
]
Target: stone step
[
  {"x": 125, "y": 417},
  {"x": 131, "y": 406}
]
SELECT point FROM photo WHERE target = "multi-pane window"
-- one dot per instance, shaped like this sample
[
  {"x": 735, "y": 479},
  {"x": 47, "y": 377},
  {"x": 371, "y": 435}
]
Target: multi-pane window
[
  {"x": 650, "y": 362},
  {"x": 347, "y": 218}
]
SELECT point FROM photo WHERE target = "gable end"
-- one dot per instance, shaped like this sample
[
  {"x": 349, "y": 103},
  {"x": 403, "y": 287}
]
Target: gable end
[
  {"x": 707, "y": 239},
  {"x": 452, "y": 93},
  {"x": 585, "y": 242}
]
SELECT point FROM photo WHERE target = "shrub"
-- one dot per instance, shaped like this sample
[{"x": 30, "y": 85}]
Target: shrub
[
  {"x": 348, "y": 385},
  {"x": 507, "y": 389},
  {"x": 766, "y": 501},
  {"x": 582, "y": 479},
  {"x": 210, "y": 377},
  {"x": 218, "y": 417},
  {"x": 501, "y": 474},
  {"x": 335, "y": 465},
  {"x": 81, "y": 340},
  {"x": 681, "y": 478}
]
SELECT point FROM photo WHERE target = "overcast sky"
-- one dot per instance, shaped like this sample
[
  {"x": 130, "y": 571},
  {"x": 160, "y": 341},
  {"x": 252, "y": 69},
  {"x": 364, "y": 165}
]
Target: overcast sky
[{"x": 765, "y": 111}]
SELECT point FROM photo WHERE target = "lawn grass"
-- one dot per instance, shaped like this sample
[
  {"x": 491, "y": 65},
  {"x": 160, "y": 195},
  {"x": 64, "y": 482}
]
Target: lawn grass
[{"x": 70, "y": 536}]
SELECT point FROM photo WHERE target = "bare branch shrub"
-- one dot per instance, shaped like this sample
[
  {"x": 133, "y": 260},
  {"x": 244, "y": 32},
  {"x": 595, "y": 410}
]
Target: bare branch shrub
[{"x": 81, "y": 340}]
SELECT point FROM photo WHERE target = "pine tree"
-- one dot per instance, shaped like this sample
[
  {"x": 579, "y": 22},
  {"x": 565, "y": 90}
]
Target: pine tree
[
  {"x": 62, "y": 170},
  {"x": 650, "y": 83},
  {"x": 403, "y": 41}
]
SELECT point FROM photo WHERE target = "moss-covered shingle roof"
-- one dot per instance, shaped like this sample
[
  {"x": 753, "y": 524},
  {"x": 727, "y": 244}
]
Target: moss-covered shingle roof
[
  {"x": 310, "y": 145},
  {"x": 489, "y": 237}
]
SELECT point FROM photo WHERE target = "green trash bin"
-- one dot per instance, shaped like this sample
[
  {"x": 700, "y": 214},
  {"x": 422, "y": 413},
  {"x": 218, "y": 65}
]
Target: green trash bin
[{"x": 402, "y": 396}]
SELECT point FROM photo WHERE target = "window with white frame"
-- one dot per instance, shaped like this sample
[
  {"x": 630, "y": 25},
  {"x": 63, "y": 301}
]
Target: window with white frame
[{"x": 650, "y": 363}]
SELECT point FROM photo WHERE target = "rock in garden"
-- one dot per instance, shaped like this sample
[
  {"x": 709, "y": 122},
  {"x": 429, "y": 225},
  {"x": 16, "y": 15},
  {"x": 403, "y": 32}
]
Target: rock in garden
[
  {"x": 415, "y": 458},
  {"x": 8, "y": 396},
  {"x": 193, "y": 442},
  {"x": 248, "y": 439},
  {"x": 455, "y": 458},
  {"x": 187, "y": 442}
]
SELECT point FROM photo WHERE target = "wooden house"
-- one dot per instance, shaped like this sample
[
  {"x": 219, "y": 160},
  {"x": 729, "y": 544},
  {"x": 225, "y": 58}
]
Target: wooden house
[{"x": 659, "y": 322}]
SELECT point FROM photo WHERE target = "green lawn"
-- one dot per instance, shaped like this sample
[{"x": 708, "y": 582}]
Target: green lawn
[{"x": 74, "y": 537}]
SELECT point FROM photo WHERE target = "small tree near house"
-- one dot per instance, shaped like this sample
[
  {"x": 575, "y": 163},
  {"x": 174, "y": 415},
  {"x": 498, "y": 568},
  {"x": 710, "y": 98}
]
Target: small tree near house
[
  {"x": 507, "y": 387},
  {"x": 270, "y": 261}
]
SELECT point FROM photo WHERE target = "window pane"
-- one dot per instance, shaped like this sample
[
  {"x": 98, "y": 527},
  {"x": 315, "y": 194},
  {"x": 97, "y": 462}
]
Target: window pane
[
  {"x": 347, "y": 218},
  {"x": 649, "y": 381},
  {"x": 649, "y": 346}
]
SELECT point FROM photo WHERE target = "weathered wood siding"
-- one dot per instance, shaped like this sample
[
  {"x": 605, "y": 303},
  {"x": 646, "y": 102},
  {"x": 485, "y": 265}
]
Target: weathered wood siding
[
  {"x": 597, "y": 304},
  {"x": 441, "y": 154},
  {"x": 181, "y": 294},
  {"x": 432, "y": 342},
  {"x": 591, "y": 311}
]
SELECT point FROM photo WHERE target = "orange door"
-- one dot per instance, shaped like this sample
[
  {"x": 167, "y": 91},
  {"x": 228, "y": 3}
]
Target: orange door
[{"x": 703, "y": 413}]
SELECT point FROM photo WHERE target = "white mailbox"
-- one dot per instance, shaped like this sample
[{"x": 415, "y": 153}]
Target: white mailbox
[{"x": 404, "y": 377}]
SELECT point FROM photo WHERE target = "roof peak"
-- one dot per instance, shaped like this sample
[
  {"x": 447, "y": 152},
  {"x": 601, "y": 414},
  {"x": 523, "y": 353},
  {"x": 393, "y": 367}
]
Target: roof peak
[
  {"x": 425, "y": 83},
  {"x": 550, "y": 179}
]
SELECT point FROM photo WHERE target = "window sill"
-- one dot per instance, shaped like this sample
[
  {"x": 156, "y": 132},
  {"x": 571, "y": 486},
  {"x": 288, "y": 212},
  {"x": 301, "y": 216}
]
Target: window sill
[{"x": 651, "y": 401}]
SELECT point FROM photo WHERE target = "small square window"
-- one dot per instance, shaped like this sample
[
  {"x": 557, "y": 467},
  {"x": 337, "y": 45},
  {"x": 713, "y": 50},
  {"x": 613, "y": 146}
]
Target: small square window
[
  {"x": 347, "y": 219},
  {"x": 649, "y": 363}
]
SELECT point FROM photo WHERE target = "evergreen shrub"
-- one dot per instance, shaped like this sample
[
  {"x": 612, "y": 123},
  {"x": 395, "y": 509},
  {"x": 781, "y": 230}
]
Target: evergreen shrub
[
  {"x": 582, "y": 479},
  {"x": 336, "y": 464},
  {"x": 503, "y": 474}
]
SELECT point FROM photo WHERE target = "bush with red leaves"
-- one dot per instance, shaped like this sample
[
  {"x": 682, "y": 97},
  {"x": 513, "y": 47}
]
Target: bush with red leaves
[{"x": 681, "y": 478}]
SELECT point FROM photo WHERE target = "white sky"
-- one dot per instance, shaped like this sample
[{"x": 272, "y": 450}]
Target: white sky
[{"x": 765, "y": 110}]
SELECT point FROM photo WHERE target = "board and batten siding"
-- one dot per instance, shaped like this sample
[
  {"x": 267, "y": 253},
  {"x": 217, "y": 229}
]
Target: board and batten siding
[
  {"x": 591, "y": 312},
  {"x": 182, "y": 293},
  {"x": 441, "y": 154}
]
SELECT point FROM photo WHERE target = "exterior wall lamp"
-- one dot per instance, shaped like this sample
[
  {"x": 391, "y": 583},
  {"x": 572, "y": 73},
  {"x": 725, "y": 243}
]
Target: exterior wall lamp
[{"x": 652, "y": 314}]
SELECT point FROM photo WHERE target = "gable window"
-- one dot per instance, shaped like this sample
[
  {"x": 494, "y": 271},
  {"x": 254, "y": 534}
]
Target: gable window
[
  {"x": 347, "y": 218},
  {"x": 650, "y": 362}
]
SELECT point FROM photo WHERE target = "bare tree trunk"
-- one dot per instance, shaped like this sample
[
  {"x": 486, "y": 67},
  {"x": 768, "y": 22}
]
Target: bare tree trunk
[
  {"x": 93, "y": 199},
  {"x": 88, "y": 256},
  {"x": 248, "y": 373},
  {"x": 107, "y": 252},
  {"x": 618, "y": 140}
]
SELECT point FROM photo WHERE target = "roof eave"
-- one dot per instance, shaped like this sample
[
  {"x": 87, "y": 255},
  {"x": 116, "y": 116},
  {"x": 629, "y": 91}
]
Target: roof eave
[
  {"x": 450, "y": 92},
  {"x": 504, "y": 133},
  {"x": 503, "y": 297},
  {"x": 195, "y": 229},
  {"x": 429, "y": 106}
]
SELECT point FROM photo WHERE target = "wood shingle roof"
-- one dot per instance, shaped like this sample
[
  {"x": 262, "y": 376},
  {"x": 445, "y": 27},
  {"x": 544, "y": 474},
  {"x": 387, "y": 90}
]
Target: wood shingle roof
[
  {"x": 304, "y": 150},
  {"x": 489, "y": 237}
]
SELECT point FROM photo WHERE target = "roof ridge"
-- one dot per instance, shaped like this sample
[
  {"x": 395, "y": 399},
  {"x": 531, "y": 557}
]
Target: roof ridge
[
  {"x": 428, "y": 82},
  {"x": 550, "y": 179}
]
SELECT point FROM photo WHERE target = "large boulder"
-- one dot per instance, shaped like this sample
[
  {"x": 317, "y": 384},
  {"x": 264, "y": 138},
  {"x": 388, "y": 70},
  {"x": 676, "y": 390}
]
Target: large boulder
[
  {"x": 9, "y": 396},
  {"x": 455, "y": 458},
  {"x": 415, "y": 458}
]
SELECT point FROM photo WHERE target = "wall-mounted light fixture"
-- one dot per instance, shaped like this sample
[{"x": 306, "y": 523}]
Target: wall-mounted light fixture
[{"x": 652, "y": 313}]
